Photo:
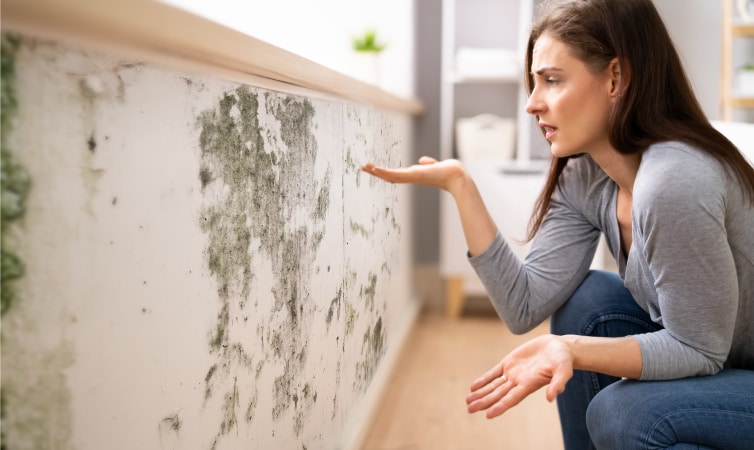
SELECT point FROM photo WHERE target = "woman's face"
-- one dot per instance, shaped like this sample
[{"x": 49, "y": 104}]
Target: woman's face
[{"x": 571, "y": 103}]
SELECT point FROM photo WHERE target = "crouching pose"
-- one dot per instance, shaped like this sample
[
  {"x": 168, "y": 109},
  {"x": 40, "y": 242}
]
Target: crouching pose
[{"x": 660, "y": 354}]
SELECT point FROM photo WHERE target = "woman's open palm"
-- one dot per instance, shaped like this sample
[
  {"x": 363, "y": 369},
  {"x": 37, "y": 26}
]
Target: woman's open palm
[
  {"x": 542, "y": 361},
  {"x": 444, "y": 174}
]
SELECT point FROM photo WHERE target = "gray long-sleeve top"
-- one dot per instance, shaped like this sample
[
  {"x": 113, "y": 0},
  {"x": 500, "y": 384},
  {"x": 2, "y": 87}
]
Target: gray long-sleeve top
[{"x": 691, "y": 264}]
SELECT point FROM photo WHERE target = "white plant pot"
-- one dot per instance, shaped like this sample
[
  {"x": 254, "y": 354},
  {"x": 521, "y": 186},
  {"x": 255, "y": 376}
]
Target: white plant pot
[
  {"x": 366, "y": 67},
  {"x": 745, "y": 82}
]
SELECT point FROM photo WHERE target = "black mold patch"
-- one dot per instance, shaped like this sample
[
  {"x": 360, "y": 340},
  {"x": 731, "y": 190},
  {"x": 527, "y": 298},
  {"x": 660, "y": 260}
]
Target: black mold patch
[
  {"x": 171, "y": 423},
  {"x": 351, "y": 316},
  {"x": 208, "y": 379},
  {"x": 15, "y": 179},
  {"x": 258, "y": 179},
  {"x": 252, "y": 407},
  {"x": 372, "y": 350},
  {"x": 323, "y": 201},
  {"x": 304, "y": 403},
  {"x": 360, "y": 229},
  {"x": 352, "y": 167},
  {"x": 169, "y": 429},
  {"x": 368, "y": 292},
  {"x": 205, "y": 176},
  {"x": 334, "y": 307},
  {"x": 91, "y": 143},
  {"x": 229, "y": 409}
]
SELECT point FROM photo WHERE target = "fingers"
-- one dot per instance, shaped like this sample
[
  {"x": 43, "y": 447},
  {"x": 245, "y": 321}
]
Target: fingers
[
  {"x": 489, "y": 395},
  {"x": 372, "y": 168},
  {"x": 490, "y": 375},
  {"x": 498, "y": 398},
  {"x": 513, "y": 397},
  {"x": 429, "y": 172},
  {"x": 484, "y": 390},
  {"x": 411, "y": 174},
  {"x": 390, "y": 175},
  {"x": 558, "y": 383}
]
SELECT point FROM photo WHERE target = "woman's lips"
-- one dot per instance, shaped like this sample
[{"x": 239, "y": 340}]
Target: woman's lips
[{"x": 548, "y": 129}]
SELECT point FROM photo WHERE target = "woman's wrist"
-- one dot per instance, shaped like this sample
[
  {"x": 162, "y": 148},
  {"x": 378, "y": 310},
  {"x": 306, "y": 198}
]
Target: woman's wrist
[
  {"x": 459, "y": 182},
  {"x": 571, "y": 342},
  {"x": 617, "y": 356}
]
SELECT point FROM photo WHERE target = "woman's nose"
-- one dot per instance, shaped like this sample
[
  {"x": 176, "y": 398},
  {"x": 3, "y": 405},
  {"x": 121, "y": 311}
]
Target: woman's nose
[{"x": 534, "y": 104}]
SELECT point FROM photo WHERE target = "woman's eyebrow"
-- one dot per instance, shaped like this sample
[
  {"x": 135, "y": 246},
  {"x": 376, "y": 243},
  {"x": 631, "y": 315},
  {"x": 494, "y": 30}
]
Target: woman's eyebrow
[{"x": 542, "y": 70}]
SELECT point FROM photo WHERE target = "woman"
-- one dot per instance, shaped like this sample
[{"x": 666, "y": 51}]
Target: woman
[{"x": 660, "y": 355}]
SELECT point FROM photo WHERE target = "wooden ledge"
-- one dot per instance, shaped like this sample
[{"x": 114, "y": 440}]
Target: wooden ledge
[{"x": 147, "y": 27}]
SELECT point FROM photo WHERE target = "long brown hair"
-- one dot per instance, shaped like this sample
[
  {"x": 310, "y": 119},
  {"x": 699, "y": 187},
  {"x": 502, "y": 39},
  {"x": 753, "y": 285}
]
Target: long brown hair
[{"x": 657, "y": 104}]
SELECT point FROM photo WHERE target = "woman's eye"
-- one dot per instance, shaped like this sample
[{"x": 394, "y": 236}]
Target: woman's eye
[{"x": 552, "y": 80}]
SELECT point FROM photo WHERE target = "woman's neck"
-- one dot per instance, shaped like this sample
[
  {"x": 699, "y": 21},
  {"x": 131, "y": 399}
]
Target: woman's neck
[{"x": 621, "y": 168}]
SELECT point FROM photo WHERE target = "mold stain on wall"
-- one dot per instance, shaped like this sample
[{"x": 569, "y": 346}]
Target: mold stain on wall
[
  {"x": 265, "y": 177},
  {"x": 372, "y": 350},
  {"x": 15, "y": 183},
  {"x": 15, "y": 179},
  {"x": 286, "y": 354}
]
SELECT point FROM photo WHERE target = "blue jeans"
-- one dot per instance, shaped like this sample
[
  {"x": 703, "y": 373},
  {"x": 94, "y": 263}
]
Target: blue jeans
[{"x": 603, "y": 412}]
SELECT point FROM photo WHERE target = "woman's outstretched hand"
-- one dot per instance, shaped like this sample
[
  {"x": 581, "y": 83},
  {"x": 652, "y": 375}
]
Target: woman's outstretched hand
[
  {"x": 447, "y": 174},
  {"x": 543, "y": 361}
]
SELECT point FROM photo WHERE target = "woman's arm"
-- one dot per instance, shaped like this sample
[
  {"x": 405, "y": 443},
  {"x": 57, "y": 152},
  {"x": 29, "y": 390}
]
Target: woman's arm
[
  {"x": 683, "y": 265},
  {"x": 619, "y": 357},
  {"x": 449, "y": 175},
  {"x": 523, "y": 294}
]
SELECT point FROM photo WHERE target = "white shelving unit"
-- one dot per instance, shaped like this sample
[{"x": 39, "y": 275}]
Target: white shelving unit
[
  {"x": 733, "y": 28},
  {"x": 509, "y": 188},
  {"x": 451, "y": 79}
]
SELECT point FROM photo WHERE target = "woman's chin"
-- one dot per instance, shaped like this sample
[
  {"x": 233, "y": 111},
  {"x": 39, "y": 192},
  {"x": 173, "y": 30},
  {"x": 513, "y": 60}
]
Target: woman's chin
[{"x": 557, "y": 151}]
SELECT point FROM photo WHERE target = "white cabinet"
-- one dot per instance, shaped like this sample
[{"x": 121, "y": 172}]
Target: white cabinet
[
  {"x": 509, "y": 188},
  {"x": 509, "y": 199}
]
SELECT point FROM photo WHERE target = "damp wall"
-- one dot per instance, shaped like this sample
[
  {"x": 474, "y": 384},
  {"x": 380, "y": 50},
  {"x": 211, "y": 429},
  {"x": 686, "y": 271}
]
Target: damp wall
[{"x": 190, "y": 261}]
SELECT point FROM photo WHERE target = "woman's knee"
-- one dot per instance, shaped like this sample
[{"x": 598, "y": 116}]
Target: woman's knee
[
  {"x": 611, "y": 420},
  {"x": 697, "y": 412}
]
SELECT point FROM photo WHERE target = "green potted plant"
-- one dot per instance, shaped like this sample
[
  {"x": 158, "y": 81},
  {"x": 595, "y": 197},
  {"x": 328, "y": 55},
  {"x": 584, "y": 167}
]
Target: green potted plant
[
  {"x": 367, "y": 42},
  {"x": 367, "y": 50}
]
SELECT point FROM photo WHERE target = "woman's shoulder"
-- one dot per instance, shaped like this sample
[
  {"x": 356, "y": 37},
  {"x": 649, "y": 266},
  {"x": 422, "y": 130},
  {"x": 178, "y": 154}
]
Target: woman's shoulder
[
  {"x": 671, "y": 171},
  {"x": 677, "y": 160}
]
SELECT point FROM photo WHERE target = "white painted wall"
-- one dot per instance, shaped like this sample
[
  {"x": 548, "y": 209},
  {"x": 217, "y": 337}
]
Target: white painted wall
[
  {"x": 206, "y": 267},
  {"x": 322, "y": 30}
]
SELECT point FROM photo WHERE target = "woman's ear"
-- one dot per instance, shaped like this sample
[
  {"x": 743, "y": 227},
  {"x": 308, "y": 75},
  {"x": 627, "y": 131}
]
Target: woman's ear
[{"x": 618, "y": 79}]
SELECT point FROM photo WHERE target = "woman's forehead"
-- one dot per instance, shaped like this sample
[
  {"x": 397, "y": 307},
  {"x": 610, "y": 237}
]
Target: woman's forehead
[{"x": 549, "y": 52}]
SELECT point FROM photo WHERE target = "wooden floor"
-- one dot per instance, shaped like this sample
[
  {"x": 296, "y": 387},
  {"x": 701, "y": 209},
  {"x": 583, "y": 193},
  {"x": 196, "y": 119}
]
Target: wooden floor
[{"x": 424, "y": 405}]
